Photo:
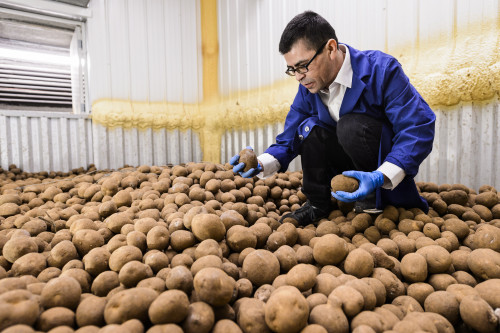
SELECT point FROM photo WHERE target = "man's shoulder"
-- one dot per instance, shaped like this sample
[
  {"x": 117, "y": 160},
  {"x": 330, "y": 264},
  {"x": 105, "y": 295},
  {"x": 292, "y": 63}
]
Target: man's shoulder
[{"x": 373, "y": 56}]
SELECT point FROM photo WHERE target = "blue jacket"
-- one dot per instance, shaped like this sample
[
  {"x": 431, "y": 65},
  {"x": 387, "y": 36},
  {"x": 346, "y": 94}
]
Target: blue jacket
[{"x": 380, "y": 89}]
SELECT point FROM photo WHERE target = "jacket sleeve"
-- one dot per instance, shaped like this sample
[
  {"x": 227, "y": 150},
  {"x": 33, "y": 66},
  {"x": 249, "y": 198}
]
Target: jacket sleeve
[
  {"x": 287, "y": 143},
  {"x": 411, "y": 117}
]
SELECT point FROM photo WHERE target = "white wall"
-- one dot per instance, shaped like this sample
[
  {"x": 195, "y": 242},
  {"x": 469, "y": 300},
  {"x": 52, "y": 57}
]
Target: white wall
[{"x": 145, "y": 50}]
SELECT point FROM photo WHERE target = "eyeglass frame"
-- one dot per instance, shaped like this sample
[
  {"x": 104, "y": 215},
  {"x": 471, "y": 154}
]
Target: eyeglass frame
[{"x": 291, "y": 71}]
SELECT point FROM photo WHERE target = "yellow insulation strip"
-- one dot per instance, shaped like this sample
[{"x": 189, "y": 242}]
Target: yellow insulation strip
[{"x": 447, "y": 71}]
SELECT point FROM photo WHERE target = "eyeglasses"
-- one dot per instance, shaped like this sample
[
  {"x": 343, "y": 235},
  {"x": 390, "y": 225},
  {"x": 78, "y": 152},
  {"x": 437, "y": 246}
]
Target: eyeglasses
[{"x": 304, "y": 68}]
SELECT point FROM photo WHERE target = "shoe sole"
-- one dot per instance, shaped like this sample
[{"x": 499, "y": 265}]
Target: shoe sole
[{"x": 373, "y": 211}]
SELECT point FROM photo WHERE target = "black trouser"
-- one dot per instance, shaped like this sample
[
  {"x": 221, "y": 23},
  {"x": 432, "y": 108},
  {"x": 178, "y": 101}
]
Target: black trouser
[{"x": 353, "y": 145}]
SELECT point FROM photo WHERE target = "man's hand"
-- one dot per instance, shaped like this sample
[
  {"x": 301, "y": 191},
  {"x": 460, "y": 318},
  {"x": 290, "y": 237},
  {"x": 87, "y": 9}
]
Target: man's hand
[
  {"x": 238, "y": 167},
  {"x": 368, "y": 182}
]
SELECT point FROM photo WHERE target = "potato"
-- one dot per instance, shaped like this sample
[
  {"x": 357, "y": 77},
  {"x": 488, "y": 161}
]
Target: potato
[
  {"x": 276, "y": 240},
  {"x": 332, "y": 318},
  {"x": 264, "y": 292},
  {"x": 369, "y": 297},
  {"x": 261, "y": 258},
  {"x": 461, "y": 290},
  {"x": 170, "y": 306},
  {"x": 489, "y": 290},
  {"x": 414, "y": 267},
  {"x": 104, "y": 283},
  {"x": 214, "y": 286},
  {"x": 200, "y": 318},
  {"x": 132, "y": 272},
  {"x": 250, "y": 315},
  {"x": 123, "y": 255},
  {"x": 18, "y": 307},
  {"x": 181, "y": 239},
  {"x": 86, "y": 240},
  {"x": 63, "y": 291},
  {"x": 55, "y": 317},
  {"x": 444, "y": 303},
  {"x": 393, "y": 286},
  {"x": 248, "y": 157},
  {"x": 351, "y": 299},
  {"x": 207, "y": 226},
  {"x": 359, "y": 263},
  {"x": 204, "y": 262},
  {"x": 29, "y": 264},
  {"x": 96, "y": 260},
  {"x": 344, "y": 183},
  {"x": 484, "y": 263},
  {"x": 330, "y": 250},
  {"x": 116, "y": 221},
  {"x": 419, "y": 291},
  {"x": 487, "y": 236},
  {"x": 17, "y": 247},
  {"x": 287, "y": 257},
  {"x": 370, "y": 319},
  {"x": 438, "y": 259},
  {"x": 286, "y": 310},
  {"x": 478, "y": 314},
  {"x": 180, "y": 277},
  {"x": 118, "y": 309},
  {"x": 302, "y": 276},
  {"x": 90, "y": 311},
  {"x": 239, "y": 237},
  {"x": 155, "y": 259}
]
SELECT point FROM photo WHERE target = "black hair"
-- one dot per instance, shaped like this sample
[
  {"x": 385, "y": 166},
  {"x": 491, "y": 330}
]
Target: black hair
[{"x": 310, "y": 27}]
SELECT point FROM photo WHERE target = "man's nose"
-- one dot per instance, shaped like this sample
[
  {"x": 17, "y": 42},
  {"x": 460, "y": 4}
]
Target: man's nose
[{"x": 299, "y": 76}]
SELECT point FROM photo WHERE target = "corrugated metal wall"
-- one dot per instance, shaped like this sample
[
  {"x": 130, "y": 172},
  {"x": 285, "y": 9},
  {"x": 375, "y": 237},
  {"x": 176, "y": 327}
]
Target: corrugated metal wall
[{"x": 43, "y": 141}]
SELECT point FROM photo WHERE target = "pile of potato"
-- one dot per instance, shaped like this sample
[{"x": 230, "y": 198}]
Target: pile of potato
[{"x": 196, "y": 248}]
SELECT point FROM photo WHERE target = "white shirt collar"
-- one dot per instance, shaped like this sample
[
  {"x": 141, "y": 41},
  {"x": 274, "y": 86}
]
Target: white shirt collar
[{"x": 344, "y": 76}]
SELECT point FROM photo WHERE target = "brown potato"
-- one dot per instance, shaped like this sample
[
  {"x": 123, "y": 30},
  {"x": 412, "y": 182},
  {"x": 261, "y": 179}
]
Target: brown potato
[
  {"x": 214, "y": 286},
  {"x": 330, "y": 250},
  {"x": 302, "y": 276},
  {"x": 414, "y": 267},
  {"x": 90, "y": 311},
  {"x": 63, "y": 291},
  {"x": 170, "y": 306},
  {"x": 250, "y": 315},
  {"x": 393, "y": 286},
  {"x": 438, "y": 259},
  {"x": 286, "y": 310},
  {"x": 104, "y": 283},
  {"x": 359, "y": 263},
  {"x": 332, "y": 318},
  {"x": 343, "y": 183},
  {"x": 54, "y": 317},
  {"x": 123, "y": 255},
  {"x": 255, "y": 260},
  {"x": 118, "y": 309},
  {"x": 200, "y": 318},
  {"x": 484, "y": 263},
  {"x": 444, "y": 303},
  {"x": 489, "y": 290},
  {"x": 351, "y": 299},
  {"x": 248, "y": 157},
  {"x": 18, "y": 307},
  {"x": 132, "y": 272},
  {"x": 207, "y": 226},
  {"x": 17, "y": 247},
  {"x": 239, "y": 237},
  {"x": 478, "y": 314},
  {"x": 180, "y": 277}
]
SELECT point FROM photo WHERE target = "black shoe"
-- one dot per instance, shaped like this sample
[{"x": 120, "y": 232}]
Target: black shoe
[
  {"x": 307, "y": 214},
  {"x": 367, "y": 205}
]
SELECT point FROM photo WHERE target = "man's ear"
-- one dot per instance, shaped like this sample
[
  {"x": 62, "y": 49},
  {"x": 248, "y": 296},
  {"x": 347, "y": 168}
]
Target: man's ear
[{"x": 331, "y": 46}]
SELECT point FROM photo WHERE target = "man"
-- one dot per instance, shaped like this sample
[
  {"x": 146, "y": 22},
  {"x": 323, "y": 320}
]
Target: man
[{"x": 355, "y": 113}]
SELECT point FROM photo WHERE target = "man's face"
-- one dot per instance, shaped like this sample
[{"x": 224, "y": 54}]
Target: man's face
[{"x": 322, "y": 70}]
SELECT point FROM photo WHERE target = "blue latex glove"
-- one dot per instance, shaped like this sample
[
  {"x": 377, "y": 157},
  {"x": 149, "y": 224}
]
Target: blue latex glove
[
  {"x": 240, "y": 166},
  {"x": 368, "y": 182}
]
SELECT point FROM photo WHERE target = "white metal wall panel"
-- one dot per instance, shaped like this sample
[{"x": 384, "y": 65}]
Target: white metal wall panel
[
  {"x": 116, "y": 147},
  {"x": 466, "y": 148},
  {"x": 145, "y": 50},
  {"x": 42, "y": 141}
]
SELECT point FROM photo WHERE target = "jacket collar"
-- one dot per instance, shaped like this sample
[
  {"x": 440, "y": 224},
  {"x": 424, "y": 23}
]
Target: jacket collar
[{"x": 360, "y": 68}]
